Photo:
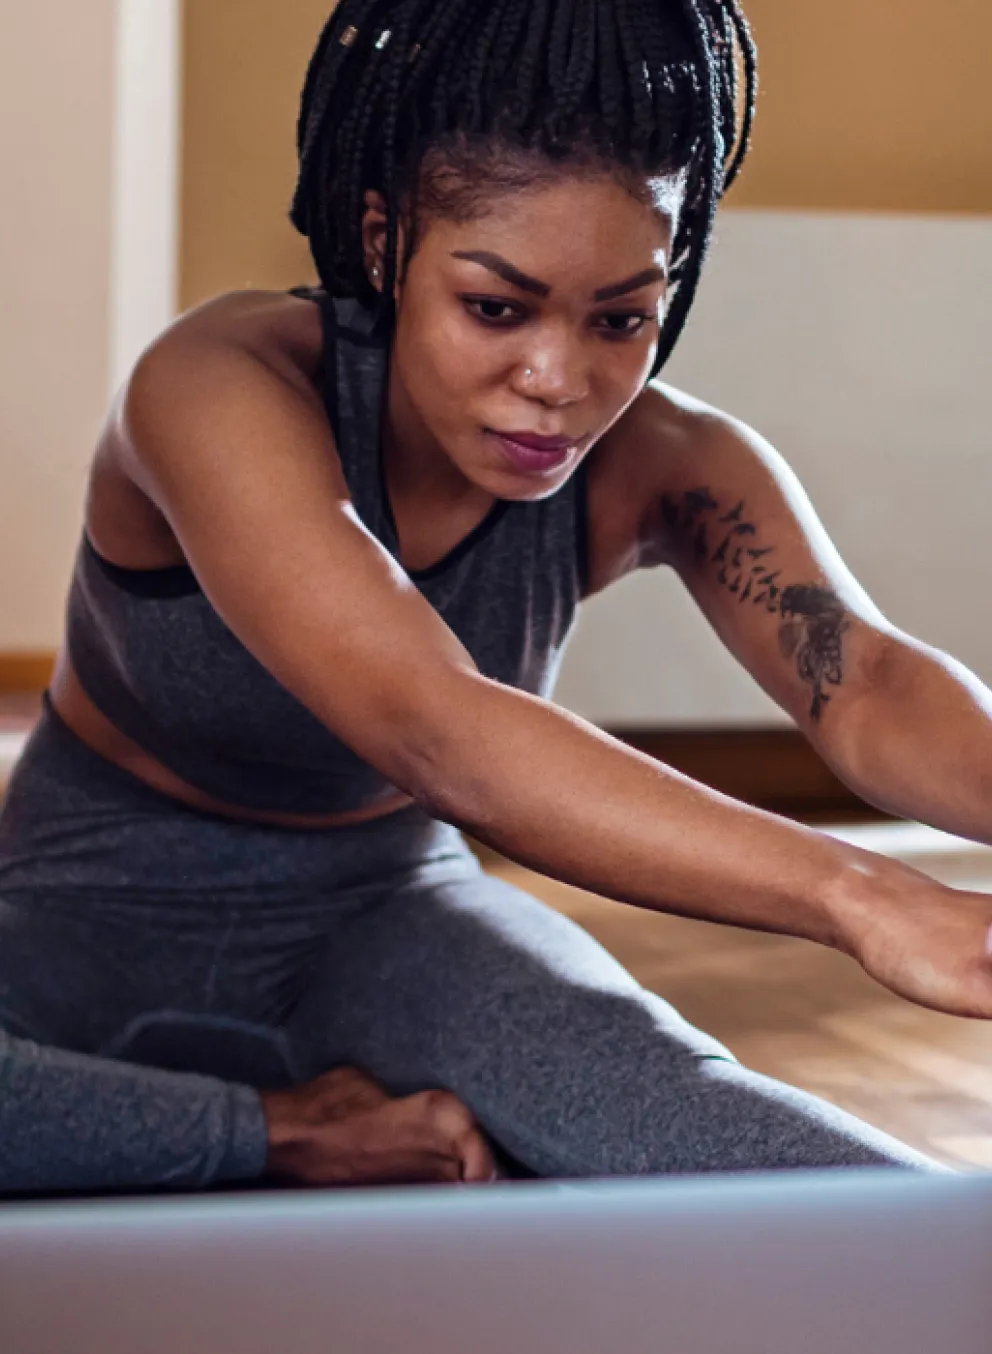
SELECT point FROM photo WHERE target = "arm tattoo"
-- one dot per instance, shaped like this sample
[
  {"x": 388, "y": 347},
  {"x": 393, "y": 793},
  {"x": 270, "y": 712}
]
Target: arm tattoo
[{"x": 813, "y": 619}]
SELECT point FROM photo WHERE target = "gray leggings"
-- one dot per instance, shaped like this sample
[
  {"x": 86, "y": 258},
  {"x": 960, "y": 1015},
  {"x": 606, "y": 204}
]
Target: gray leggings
[{"x": 159, "y": 967}]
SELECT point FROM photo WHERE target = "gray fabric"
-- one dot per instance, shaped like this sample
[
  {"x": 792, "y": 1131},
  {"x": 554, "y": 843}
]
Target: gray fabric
[
  {"x": 159, "y": 967},
  {"x": 157, "y": 659}
]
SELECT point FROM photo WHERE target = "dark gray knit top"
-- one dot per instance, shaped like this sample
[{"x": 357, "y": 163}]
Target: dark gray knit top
[{"x": 157, "y": 659}]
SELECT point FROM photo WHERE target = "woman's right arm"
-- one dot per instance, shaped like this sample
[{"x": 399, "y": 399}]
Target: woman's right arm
[{"x": 242, "y": 463}]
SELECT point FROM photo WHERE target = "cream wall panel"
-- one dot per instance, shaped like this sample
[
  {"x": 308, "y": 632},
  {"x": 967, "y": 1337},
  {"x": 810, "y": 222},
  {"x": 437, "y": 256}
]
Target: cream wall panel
[{"x": 145, "y": 275}]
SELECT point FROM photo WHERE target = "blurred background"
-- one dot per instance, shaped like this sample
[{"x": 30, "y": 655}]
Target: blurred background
[{"x": 147, "y": 149}]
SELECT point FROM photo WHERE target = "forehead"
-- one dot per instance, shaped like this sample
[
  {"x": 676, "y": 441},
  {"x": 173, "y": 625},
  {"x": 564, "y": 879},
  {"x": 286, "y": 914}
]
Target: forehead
[{"x": 571, "y": 222}]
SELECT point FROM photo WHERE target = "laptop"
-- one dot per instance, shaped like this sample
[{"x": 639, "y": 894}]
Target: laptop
[{"x": 863, "y": 1262}]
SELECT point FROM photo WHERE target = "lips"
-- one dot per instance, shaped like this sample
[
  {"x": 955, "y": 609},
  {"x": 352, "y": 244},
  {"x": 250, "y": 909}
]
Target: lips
[
  {"x": 534, "y": 460},
  {"x": 535, "y": 443}
]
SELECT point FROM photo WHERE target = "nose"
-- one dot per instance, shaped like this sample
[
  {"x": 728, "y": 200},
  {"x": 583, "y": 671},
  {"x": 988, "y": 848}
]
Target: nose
[{"x": 554, "y": 373}]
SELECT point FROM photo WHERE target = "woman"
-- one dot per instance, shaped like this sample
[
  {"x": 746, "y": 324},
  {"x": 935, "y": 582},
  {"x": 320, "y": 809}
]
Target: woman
[{"x": 335, "y": 542}]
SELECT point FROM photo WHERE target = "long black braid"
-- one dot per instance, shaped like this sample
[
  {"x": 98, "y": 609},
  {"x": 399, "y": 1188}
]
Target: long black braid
[{"x": 650, "y": 86}]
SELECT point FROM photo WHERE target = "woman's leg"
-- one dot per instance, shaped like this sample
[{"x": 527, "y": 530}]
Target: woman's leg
[{"x": 569, "y": 1064}]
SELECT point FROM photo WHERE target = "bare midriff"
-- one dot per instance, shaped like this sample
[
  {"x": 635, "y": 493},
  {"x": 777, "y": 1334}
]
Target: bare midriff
[{"x": 91, "y": 725}]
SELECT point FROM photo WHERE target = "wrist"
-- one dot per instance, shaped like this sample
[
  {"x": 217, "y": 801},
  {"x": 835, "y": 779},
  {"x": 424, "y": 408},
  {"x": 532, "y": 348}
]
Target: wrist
[
  {"x": 865, "y": 889},
  {"x": 287, "y": 1135}
]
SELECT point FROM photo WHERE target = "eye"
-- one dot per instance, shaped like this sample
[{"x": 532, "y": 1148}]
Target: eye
[
  {"x": 626, "y": 325},
  {"x": 500, "y": 314},
  {"x": 491, "y": 310}
]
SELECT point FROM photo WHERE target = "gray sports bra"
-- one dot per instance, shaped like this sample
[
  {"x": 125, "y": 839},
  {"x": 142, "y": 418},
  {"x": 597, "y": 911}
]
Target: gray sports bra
[{"x": 153, "y": 654}]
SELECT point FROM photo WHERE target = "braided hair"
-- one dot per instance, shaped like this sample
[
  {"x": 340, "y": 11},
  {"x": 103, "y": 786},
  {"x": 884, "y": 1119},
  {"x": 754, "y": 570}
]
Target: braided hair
[{"x": 441, "y": 103}]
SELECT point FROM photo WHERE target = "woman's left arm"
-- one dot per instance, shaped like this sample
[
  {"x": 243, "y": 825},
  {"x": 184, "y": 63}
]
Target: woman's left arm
[{"x": 905, "y": 726}]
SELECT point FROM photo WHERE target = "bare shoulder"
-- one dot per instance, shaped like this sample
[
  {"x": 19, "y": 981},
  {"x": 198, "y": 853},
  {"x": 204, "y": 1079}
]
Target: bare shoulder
[
  {"x": 281, "y": 330},
  {"x": 233, "y": 343},
  {"x": 668, "y": 427}
]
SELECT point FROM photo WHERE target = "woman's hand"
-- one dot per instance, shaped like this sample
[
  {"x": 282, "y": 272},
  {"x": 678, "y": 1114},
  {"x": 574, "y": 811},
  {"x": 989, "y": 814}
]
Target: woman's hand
[
  {"x": 346, "y": 1129},
  {"x": 922, "y": 940}
]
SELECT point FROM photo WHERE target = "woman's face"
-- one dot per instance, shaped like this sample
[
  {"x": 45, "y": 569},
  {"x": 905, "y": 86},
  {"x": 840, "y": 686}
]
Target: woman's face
[{"x": 540, "y": 318}]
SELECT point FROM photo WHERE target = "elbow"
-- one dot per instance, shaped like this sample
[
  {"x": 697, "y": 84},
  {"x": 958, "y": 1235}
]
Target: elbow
[
  {"x": 441, "y": 759},
  {"x": 847, "y": 735},
  {"x": 424, "y": 772}
]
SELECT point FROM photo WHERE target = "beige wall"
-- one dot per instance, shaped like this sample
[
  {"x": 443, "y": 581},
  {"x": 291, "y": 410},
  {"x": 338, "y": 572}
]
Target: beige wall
[
  {"x": 245, "y": 63},
  {"x": 56, "y": 137},
  {"x": 866, "y": 105},
  {"x": 873, "y": 105}
]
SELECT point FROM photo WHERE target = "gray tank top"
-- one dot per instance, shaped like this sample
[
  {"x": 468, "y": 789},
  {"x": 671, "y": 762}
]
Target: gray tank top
[{"x": 153, "y": 654}]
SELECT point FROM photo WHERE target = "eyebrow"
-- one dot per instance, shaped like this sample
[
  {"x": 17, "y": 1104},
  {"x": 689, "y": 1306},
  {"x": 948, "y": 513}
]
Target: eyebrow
[{"x": 504, "y": 269}]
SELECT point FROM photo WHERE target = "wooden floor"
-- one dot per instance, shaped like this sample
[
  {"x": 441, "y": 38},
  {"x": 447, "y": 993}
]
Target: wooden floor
[{"x": 794, "y": 1010}]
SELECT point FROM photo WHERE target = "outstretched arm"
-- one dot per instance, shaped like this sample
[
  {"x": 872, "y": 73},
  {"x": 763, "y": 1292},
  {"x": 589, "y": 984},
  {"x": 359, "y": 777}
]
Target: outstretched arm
[
  {"x": 906, "y": 727},
  {"x": 238, "y": 456}
]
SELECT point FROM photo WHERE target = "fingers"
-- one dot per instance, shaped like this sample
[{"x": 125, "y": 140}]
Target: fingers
[
  {"x": 457, "y": 1125},
  {"x": 354, "y": 1132},
  {"x": 428, "y": 1137},
  {"x": 478, "y": 1162},
  {"x": 335, "y": 1095},
  {"x": 353, "y": 1079}
]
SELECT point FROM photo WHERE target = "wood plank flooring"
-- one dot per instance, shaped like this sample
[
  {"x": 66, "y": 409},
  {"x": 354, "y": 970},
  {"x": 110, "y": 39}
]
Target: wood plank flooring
[{"x": 794, "y": 1010}]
